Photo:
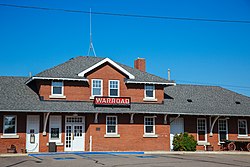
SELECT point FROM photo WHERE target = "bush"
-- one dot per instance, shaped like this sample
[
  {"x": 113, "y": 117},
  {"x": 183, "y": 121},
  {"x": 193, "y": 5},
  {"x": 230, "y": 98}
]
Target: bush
[{"x": 184, "y": 142}]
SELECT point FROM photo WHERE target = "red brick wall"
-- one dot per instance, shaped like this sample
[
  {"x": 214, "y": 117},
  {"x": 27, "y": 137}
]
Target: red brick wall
[
  {"x": 82, "y": 91},
  {"x": 20, "y": 143},
  {"x": 190, "y": 125},
  {"x": 131, "y": 135}
]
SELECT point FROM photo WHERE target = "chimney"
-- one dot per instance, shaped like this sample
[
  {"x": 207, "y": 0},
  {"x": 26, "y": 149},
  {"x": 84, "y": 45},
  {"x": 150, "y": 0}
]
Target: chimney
[{"x": 140, "y": 64}]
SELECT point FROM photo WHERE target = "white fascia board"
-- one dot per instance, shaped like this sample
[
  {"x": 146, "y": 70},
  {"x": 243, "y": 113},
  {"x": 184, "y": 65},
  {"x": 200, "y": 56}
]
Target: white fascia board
[
  {"x": 153, "y": 83},
  {"x": 81, "y": 74},
  {"x": 134, "y": 111},
  {"x": 51, "y": 78}
]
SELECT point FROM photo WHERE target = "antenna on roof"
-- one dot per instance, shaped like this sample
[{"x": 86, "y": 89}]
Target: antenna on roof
[{"x": 91, "y": 46}]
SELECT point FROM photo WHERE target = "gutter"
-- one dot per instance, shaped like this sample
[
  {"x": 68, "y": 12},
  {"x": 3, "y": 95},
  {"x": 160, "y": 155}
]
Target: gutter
[
  {"x": 154, "y": 83},
  {"x": 129, "y": 112},
  {"x": 51, "y": 78}
]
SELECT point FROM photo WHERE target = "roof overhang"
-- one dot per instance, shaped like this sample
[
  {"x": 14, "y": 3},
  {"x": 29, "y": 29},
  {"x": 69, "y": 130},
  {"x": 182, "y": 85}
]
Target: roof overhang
[
  {"x": 52, "y": 78},
  {"x": 82, "y": 74},
  {"x": 134, "y": 111},
  {"x": 153, "y": 83}
]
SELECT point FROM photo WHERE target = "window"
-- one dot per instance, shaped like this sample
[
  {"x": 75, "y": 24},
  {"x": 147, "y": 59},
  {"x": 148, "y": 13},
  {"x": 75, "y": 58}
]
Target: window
[
  {"x": 55, "y": 122},
  {"x": 96, "y": 87},
  {"x": 242, "y": 127},
  {"x": 57, "y": 88},
  {"x": 114, "y": 88},
  {"x": 222, "y": 130},
  {"x": 149, "y": 125},
  {"x": 10, "y": 123},
  {"x": 201, "y": 129},
  {"x": 149, "y": 91},
  {"x": 111, "y": 125}
]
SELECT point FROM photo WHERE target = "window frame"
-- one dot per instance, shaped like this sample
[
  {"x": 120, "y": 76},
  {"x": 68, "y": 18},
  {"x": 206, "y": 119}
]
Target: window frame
[
  {"x": 92, "y": 81},
  {"x": 52, "y": 86},
  {"x": 223, "y": 130},
  {"x": 118, "y": 88},
  {"x": 116, "y": 125},
  {"x": 153, "y": 117},
  {"x": 57, "y": 140},
  {"x": 15, "y": 133},
  {"x": 198, "y": 130},
  {"x": 145, "y": 91},
  {"x": 246, "y": 130}
]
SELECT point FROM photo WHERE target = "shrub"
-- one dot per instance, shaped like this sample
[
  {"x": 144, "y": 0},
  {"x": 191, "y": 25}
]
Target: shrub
[{"x": 184, "y": 142}]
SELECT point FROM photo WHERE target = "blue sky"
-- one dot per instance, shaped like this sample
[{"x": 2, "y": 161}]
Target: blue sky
[{"x": 199, "y": 52}]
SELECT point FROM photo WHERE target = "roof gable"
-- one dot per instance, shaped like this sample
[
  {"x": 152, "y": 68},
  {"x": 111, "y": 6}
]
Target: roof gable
[{"x": 106, "y": 60}]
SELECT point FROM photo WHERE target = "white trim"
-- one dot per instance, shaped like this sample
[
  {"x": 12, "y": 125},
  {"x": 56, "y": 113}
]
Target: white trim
[
  {"x": 59, "y": 119},
  {"x": 13, "y": 136},
  {"x": 10, "y": 134},
  {"x": 243, "y": 137},
  {"x": 124, "y": 111},
  {"x": 149, "y": 134},
  {"x": 219, "y": 130},
  {"x": 116, "y": 125},
  {"x": 246, "y": 135},
  {"x": 145, "y": 95},
  {"x": 82, "y": 74},
  {"x": 152, "y": 83},
  {"x": 118, "y": 93},
  {"x": 58, "y": 144},
  {"x": 112, "y": 135},
  {"x": 57, "y": 95},
  {"x": 52, "y": 78},
  {"x": 205, "y": 141},
  {"x": 150, "y": 99},
  {"x": 92, "y": 80}
]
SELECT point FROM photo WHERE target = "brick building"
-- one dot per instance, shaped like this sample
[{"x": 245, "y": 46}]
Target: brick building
[{"x": 96, "y": 104}]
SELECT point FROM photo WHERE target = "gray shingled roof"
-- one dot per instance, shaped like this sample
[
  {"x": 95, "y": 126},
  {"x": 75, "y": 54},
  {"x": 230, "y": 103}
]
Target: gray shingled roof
[
  {"x": 71, "y": 69},
  {"x": 206, "y": 100},
  {"x": 15, "y": 95}
]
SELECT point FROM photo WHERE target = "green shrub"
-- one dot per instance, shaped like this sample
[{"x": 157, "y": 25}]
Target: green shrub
[{"x": 184, "y": 142}]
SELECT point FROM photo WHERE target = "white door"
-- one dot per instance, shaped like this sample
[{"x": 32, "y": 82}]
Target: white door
[
  {"x": 32, "y": 133},
  {"x": 75, "y": 133},
  {"x": 176, "y": 127}
]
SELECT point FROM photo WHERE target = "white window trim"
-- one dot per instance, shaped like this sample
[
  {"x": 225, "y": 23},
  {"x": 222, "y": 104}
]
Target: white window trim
[
  {"x": 59, "y": 140},
  {"x": 149, "y": 98},
  {"x": 239, "y": 135},
  {"x": 116, "y": 126},
  {"x": 92, "y": 80},
  {"x": 202, "y": 142},
  {"x": 10, "y": 134},
  {"x": 149, "y": 134},
  {"x": 219, "y": 130},
  {"x": 57, "y": 95},
  {"x": 117, "y": 88}
]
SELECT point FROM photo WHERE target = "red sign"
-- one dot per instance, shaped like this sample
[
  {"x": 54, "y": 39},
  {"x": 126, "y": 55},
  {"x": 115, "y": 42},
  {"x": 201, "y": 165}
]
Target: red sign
[{"x": 123, "y": 101}]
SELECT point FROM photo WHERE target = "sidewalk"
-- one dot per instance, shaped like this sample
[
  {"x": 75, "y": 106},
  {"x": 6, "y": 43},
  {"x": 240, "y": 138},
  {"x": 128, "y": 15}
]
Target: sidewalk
[{"x": 133, "y": 153}]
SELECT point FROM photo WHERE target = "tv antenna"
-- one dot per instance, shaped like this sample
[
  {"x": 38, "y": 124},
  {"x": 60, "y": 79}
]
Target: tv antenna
[{"x": 91, "y": 46}]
